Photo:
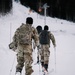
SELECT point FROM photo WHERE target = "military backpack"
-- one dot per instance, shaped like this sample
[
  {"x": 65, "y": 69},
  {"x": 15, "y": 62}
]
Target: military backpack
[{"x": 44, "y": 37}]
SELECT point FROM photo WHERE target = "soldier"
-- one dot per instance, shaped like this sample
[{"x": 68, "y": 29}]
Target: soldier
[
  {"x": 22, "y": 40},
  {"x": 39, "y": 29},
  {"x": 44, "y": 39}
]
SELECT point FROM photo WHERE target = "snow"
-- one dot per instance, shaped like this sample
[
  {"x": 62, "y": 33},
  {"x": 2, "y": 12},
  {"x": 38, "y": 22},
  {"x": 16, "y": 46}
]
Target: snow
[{"x": 64, "y": 32}]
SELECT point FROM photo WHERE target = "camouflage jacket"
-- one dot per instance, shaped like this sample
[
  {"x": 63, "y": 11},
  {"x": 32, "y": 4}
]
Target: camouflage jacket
[
  {"x": 52, "y": 38},
  {"x": 34, "y": 35}
]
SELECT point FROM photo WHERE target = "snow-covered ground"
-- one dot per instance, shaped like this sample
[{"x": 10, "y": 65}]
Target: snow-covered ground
[{"x": 64, "y": 32}]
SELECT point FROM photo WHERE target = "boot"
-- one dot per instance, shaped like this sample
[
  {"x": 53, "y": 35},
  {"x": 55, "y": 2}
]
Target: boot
[
  {"x": 38, "y": 59},
  {"x": 46, "y": 67},
  {"x": 18, "y": 73},
  {"x": 42, "y": 64}
]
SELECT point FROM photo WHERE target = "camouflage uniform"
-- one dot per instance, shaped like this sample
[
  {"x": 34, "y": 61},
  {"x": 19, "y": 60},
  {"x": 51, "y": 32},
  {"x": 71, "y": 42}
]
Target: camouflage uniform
[
  {"x": 45, "y": 52},
  {"x": 39, "y": 29},
  {"x": 25, "y": 52},
  {"x": 45, "y": 38}
]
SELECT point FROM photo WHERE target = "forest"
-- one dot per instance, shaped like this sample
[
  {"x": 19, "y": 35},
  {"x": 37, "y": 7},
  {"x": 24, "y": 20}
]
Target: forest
[
  {"x": 5, "y": 6},
  {"x": 63, "y": 9}
]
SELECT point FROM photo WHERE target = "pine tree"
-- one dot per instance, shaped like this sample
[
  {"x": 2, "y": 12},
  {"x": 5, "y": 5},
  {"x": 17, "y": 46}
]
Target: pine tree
[{"x": 5, "y": 6}]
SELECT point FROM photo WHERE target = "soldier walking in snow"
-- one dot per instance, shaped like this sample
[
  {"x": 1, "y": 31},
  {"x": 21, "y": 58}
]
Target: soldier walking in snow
[
  {"x": 39, "y": 29},
  {"x": 22, "y": 41},
  {"x": 44, "y": 39}
]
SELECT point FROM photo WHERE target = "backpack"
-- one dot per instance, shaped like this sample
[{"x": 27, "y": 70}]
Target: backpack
[
  {"x": 44, "y": 37},
  {"x": 24, "y": 35}
]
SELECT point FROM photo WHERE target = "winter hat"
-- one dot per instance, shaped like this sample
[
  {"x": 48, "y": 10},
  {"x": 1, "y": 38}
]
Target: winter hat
[
  {"x": 46, "y": 27},
  {"x": 39, "y": 28},
  {"x": 29, "y": 20}
]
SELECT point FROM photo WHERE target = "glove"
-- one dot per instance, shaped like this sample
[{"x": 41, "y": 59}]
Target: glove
[{"x": 12, "y": 46}]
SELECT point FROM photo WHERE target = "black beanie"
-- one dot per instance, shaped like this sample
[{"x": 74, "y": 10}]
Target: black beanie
[
  {"x": 29, "y": 20},
  {"x": 46, "y": 27},
  {"x": 39, "y": 29}
]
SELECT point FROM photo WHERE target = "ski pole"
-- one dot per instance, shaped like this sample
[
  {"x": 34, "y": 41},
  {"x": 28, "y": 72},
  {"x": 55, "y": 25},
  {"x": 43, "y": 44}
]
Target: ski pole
[
  {"x": 55, "y": 58},
  {"x": 12, "y": 66},
  {"x": 10, "y": 31}
]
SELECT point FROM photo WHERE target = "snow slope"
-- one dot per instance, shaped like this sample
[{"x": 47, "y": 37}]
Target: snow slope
[{"x": 64, "y": 32}]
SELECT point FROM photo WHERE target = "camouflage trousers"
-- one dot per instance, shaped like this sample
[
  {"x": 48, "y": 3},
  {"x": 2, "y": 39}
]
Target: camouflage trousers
[
  {"x": 45, "y": 53},
  {"x": 24, "y": 55}
]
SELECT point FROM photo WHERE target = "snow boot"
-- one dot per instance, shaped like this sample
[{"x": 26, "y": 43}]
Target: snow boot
[
  {"x": 45, "y": 69},
  {"x": 38, "y": 59},
  {"x": 42, "y": 64},
  {"x": 18, "y": 73}
]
